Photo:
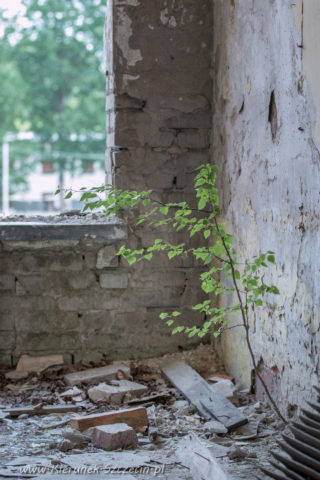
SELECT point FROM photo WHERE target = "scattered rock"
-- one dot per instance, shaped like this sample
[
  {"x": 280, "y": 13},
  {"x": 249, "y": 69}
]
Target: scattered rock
[
  {"x": 65, "y": 446},
  {"x": 215, "y": 427},
  {"x": 28, "y": 364},
  {"x": 226, "y": 388},
  {"x": 72, "y": 392},
  {"x": 75, "y": 437},
  {"x": 236, "y": 453},
  {"x": 113, "y": 437},
  {"x": 96, "y": 375},
  {"x": 115, "y": 393}
]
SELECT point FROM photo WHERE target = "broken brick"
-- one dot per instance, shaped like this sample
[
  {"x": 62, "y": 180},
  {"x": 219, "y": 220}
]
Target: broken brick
[{"x": 113, "y": 437}]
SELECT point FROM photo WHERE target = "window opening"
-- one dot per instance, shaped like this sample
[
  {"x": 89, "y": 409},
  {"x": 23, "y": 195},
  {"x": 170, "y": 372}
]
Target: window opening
[{"x": 52, "y": 102}]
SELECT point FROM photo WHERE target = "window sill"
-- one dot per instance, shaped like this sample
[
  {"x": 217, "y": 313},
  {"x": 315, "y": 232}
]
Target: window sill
[{"x": 71, "y": 229}]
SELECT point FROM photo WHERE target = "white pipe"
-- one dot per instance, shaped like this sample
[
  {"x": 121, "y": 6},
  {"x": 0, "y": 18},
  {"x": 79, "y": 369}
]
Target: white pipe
[{"x": 5, "y": 178}]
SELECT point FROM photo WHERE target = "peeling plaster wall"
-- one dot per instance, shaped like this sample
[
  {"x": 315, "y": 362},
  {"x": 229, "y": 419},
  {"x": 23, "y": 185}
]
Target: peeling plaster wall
[{"x": 264, "y": 116}]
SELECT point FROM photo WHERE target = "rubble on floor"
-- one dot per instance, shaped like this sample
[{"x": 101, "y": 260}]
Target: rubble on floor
[{"x": 51, "y": 423}]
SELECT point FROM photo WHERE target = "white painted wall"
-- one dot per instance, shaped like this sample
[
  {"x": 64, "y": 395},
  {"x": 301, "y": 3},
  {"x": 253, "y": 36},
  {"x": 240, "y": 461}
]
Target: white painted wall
[{"x": 270, "y": 186}]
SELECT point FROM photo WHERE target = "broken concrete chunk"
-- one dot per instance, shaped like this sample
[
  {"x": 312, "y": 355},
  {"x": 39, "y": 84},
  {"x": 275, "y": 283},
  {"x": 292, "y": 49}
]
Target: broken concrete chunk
[
  {"x": 115, "y": 393},
  {"x": 72, "y": 392},
  {"x": 96, "y": 375},
  {"x": 215, "y": 427},
  {"x": 28, "y": 364},
  {"x": 226, "y": 388},
  {"x": 193, "y": 454},
  {"x": 135, "y": 417},
  {"x": 113, "y": 437},
  {"x": 75, "y": 437}
]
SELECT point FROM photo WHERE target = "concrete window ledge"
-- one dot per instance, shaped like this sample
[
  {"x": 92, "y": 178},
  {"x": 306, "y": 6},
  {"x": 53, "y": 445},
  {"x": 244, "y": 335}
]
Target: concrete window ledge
[
  {"x": 41, "y": 232},
  {"x": 26, "y": 231}
]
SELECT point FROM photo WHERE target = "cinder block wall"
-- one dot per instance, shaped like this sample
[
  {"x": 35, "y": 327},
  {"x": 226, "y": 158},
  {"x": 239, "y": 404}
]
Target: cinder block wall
[{"x": 78, "y": 298}]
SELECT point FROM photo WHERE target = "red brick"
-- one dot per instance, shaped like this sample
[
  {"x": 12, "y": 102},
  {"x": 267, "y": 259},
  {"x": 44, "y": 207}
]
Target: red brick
[{"x": 113, "y": 437}]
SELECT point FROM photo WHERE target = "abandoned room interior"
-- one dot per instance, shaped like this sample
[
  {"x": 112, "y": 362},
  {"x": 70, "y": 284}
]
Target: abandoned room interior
[{"x": 95, "y": 383}]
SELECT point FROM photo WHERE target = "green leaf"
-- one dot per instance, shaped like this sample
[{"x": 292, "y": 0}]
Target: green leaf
[
  {"x": 164, "y": 210},
  {"x": 170, "y": 323},
  {"x": 275, "y": 290},
  {"x": 57, "y": 191},
  {"x": 69, "y": 195},
  {"x": 177, "y": 330},
  {"x": 163, "y": 316},
  {"x": 259, "y": 302},
  {"x": 237, "y": 275},
  {"x": 207, "y": 234},
  {"x": 131, "y": 260},
  {"x": 271, "y": 258},
  {"x": 202, "y": 203},
  {"x": 235, "y": 308},
  {"x": 175, "y": 314}
]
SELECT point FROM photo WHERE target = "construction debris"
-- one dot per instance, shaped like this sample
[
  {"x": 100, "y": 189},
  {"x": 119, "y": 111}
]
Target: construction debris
[
  {"x": 136, "y": 418},
  {"x": 113, "y": 437},
  {"x": 226, "y": 388},
  {"x": 96, "y": 375},
  {"x": 41, "y": 410},
  {"x": 116, "y": 391},
  {"x": 211, "y": 405},
  {"x": 160, "y": 426},
  {"x": 194, "y": 455},
  {"x": 28, "y": 364}
]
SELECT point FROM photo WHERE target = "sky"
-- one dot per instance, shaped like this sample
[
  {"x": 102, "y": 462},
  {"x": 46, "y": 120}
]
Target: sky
[{"x": 11, "y": 6}]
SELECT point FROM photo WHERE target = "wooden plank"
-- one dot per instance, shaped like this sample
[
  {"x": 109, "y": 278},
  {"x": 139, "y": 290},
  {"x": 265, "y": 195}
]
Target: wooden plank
[
  {"x": 193, "y": 454},
  {"x": 135, "y": 417},
  {"x": 42, "y": 410},
  {"x": 211, "y": 405}
]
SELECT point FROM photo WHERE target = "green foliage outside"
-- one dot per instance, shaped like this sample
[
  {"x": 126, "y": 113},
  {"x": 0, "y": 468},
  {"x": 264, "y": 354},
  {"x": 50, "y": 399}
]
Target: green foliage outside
[{"x": 52, "y": 83}]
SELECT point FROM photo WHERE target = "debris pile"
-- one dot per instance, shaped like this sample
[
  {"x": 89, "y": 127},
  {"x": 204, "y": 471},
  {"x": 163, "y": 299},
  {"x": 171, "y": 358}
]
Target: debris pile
[{"x": 170, "y": 414}]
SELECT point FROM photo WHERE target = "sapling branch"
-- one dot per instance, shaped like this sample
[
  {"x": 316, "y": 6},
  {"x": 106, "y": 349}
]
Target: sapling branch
[
  {"x": 249, "y": 287},
  {"x": 244, "y": 314}
]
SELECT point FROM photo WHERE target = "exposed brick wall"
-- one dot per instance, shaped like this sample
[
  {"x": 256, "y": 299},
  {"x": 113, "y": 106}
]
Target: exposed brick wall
[
  {"x": 80, "y": 299},
  {"x": 159, "y": 92}
]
